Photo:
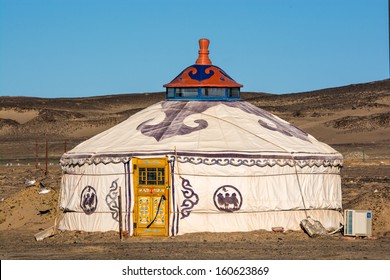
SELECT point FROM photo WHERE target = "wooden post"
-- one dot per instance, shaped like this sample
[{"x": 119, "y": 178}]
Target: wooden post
[
  {"x": 36, "y": 154},
  {"x": 120, "y": 213},
  {"x": 47, "y": 154}
]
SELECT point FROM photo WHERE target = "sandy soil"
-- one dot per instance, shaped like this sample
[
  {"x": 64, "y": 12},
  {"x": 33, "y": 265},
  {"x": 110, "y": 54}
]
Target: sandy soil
[{"x": 25, "y": 212}]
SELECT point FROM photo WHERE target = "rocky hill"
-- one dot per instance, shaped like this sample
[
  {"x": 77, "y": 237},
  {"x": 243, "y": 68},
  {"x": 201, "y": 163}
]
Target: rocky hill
[{"x": 351, "y": 118}]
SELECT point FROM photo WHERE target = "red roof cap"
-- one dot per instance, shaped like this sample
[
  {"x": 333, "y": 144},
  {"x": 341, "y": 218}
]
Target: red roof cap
[
  {"x": 203, "y": 52},
  {"x": 203, "y": 73}
]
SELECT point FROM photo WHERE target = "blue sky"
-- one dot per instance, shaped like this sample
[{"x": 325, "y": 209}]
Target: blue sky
[{"x": 76, "y": 48}]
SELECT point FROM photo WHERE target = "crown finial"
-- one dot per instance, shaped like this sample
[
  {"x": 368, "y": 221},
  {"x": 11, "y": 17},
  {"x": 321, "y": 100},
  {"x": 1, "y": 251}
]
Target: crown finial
[{"x": 203, "y": 52}]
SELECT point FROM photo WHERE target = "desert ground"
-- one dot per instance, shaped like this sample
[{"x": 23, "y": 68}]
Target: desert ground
[{"x": 353, "y": 119}]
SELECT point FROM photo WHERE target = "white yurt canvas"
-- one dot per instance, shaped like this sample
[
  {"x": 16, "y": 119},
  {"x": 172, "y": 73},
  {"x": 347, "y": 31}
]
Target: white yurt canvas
[{"x": 201, "y": 161}]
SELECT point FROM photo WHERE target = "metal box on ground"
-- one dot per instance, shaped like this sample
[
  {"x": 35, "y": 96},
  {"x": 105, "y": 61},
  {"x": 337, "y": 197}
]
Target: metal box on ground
[{"x": 357, "y": 222}]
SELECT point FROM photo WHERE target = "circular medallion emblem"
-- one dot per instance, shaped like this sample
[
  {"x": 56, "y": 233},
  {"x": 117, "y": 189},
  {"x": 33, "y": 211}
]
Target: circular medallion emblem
[
  {"x": 88, "y": 200},
  {"x": 227, "y": 198}
]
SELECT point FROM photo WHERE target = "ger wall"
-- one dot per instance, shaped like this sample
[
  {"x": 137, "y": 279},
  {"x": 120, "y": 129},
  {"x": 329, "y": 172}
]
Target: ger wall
[
  {"x": 213, "y": 196},
  {"x": 224, "y": 198}
]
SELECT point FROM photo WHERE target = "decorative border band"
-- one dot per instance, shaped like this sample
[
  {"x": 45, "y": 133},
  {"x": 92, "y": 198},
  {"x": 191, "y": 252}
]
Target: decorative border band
[
  {"x": 260, "y": 162},
  {"x": 220, "y": 159}
]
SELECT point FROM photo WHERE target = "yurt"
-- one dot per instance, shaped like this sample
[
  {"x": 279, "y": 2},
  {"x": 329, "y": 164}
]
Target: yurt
[{"x": 202, "y": 160}]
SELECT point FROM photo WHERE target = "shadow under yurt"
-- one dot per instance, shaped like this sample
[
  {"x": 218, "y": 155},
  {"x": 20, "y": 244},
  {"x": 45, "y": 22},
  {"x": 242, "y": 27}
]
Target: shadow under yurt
[{"x": 203, "y": 160}]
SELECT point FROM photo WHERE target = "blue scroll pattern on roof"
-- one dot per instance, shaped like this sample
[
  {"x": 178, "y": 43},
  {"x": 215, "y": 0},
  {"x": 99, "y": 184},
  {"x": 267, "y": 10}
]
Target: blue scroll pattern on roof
[{"x": 201, "y": 72}]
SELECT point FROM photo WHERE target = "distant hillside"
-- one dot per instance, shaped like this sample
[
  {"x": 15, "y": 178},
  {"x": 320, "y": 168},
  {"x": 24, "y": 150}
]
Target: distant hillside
[
  {"x": 351, "y": 115},
  {"x": 356, "y": 96}
]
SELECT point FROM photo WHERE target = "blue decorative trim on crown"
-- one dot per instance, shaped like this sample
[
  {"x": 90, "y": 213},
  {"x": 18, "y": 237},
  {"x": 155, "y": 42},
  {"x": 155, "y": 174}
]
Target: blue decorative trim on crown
[{"x": 201, "y": 72}]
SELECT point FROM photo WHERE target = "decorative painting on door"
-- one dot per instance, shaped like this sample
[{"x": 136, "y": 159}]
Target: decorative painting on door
[{"x": 151, "y": 189}]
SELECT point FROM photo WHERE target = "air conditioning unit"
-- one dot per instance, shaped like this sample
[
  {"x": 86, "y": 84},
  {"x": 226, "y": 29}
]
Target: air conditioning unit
[{"x": 357, "y": 222}]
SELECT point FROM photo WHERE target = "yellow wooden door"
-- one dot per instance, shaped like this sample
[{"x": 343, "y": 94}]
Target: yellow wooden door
[{"x": 151, "y": 189}]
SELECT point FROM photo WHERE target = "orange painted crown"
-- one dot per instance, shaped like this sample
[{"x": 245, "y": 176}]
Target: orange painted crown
[{"x": 203, "y": 73}]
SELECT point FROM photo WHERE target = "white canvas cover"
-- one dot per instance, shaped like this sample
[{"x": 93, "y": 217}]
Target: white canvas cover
[{"x": 235, "y": 167}]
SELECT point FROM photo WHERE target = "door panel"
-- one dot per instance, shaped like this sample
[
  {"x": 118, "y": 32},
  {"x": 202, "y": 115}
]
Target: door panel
[{"x": 151, "y": 189}]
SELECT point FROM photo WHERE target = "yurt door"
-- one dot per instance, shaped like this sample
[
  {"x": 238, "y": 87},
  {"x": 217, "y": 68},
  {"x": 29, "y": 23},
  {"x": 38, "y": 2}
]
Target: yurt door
[{"x": 151, "y": 189}]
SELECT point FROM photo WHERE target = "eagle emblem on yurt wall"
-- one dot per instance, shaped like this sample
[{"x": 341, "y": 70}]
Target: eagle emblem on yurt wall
[{"x": 227, "y": 198}]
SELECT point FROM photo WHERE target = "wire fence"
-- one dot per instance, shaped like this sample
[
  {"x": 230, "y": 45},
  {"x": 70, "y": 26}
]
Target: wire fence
[{"x": 38, "y": 154}]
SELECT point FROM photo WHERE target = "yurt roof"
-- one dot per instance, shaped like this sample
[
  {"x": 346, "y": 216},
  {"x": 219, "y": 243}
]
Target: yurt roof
[{"x": 217, "y": 129}]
